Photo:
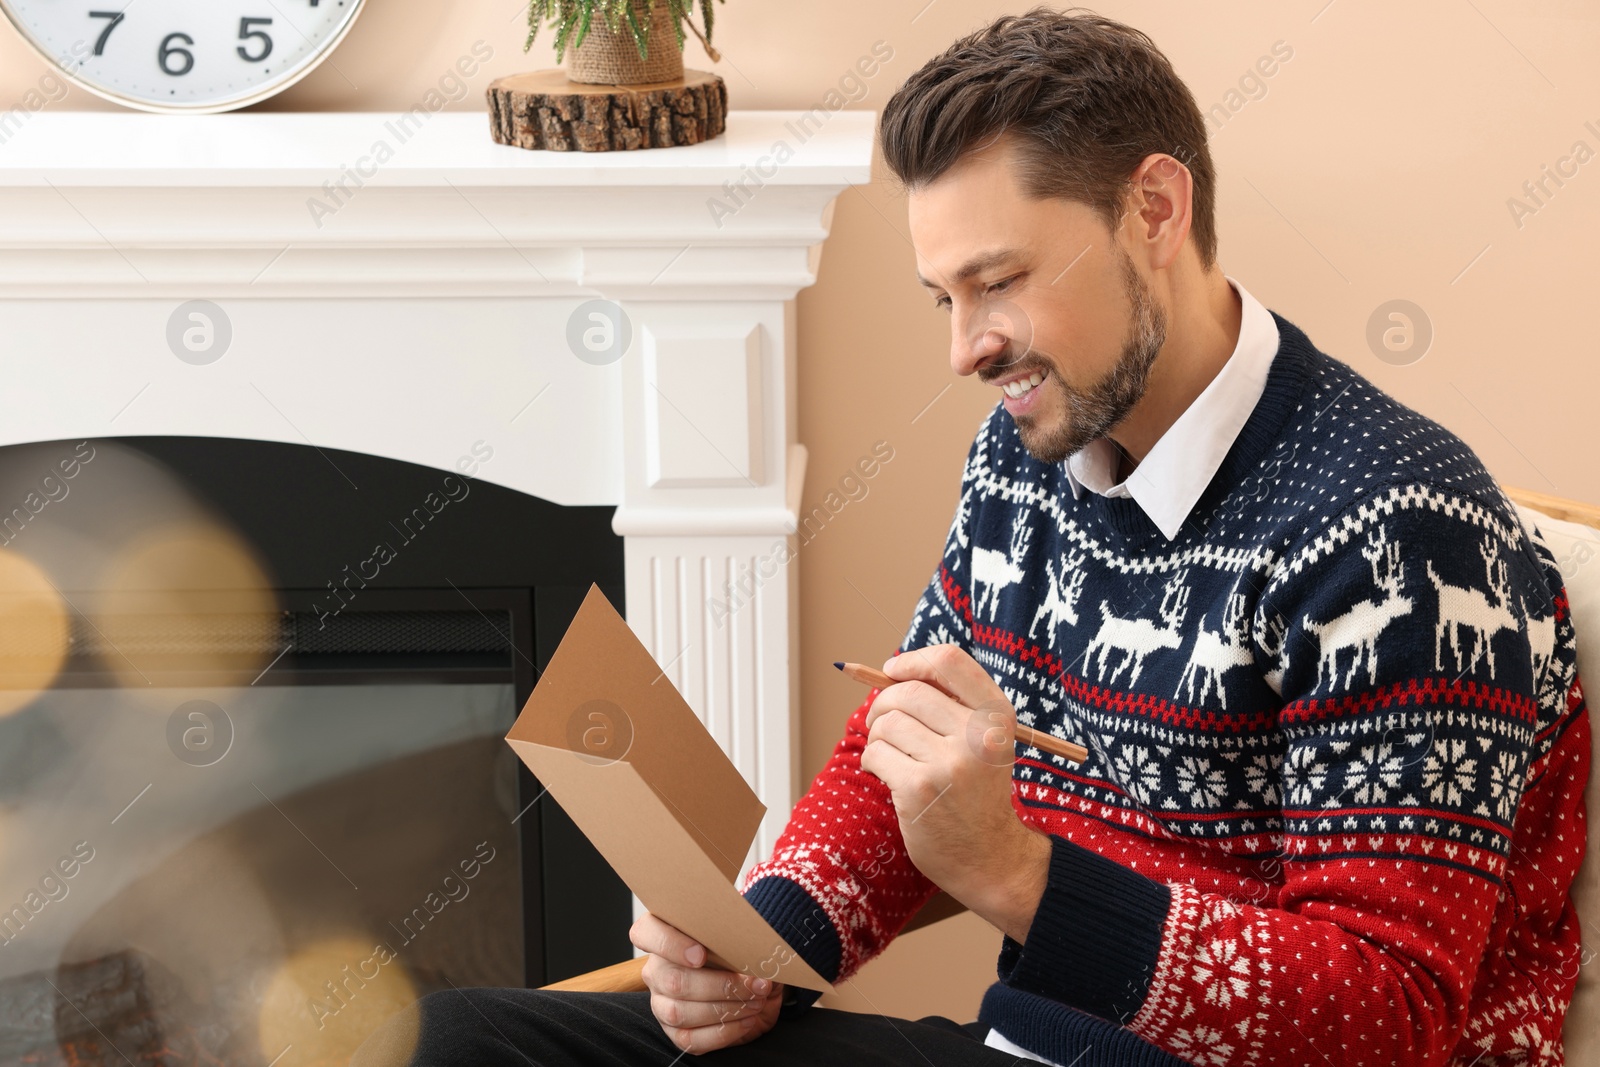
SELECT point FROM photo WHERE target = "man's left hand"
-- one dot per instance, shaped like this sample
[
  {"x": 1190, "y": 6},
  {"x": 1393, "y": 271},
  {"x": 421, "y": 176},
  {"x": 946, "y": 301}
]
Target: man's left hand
[{"x": 942, "y": 739}]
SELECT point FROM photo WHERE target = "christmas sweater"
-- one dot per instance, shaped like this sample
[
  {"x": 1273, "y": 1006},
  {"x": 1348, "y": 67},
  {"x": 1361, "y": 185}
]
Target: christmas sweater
[{"x": 1333, "y": 803}]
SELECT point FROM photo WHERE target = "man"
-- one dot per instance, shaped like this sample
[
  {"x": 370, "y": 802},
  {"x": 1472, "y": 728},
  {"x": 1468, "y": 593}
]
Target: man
[{"x": 1332, "y": 806}]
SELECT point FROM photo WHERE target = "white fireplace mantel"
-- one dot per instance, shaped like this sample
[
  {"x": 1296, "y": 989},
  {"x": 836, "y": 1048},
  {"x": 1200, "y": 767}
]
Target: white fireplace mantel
[{"x": 425, "y": 306}]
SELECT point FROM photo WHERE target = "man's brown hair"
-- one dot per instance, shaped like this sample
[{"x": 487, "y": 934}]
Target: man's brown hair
[{"x": 1086, "y": 97}]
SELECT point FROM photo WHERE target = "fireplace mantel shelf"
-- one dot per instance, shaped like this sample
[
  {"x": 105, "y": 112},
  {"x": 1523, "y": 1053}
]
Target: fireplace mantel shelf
[
  {"x": 412, "y": 305},
  {"x": 276, "y": 148},
  {"x": 289, "y": 204}
]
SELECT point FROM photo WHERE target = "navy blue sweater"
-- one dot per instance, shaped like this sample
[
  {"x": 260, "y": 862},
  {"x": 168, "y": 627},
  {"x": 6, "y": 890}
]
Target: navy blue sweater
[{"x": 1333, "y": 802}]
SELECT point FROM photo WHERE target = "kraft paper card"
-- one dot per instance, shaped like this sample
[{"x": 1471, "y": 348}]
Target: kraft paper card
[{"x": 625, "y": 756}]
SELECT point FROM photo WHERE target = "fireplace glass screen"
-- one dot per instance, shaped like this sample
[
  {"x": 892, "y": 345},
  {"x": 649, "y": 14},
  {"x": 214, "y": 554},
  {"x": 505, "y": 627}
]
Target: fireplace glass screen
[
  {"x": 252, "y": 803},
  {"x": 273, "y": 865}
]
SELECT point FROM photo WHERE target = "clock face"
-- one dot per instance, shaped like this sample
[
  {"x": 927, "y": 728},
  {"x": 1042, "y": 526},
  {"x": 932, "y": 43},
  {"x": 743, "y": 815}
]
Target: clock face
[{"x": 183, "y": 55}]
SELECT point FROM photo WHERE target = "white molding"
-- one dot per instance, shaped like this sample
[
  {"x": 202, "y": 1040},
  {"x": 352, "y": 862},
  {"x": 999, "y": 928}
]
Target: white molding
[
  {"x": 720, "y": 522},
  {"x": 720, "y": 624},
  {"x": 702, "y": 406},
  {"x": 430, "y": 310}
]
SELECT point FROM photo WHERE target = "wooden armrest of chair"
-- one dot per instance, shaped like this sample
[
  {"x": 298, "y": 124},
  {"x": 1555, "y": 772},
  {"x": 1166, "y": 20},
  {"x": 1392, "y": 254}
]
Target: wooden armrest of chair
[
  {"x": 618, "y": 978},
  {"x": 1556, "y": 507},
  {"x": 624, "y": 977}
]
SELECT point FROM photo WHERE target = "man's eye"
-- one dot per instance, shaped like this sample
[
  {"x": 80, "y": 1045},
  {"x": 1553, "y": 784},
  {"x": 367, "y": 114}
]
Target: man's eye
[{"x": 944, "y": 301}]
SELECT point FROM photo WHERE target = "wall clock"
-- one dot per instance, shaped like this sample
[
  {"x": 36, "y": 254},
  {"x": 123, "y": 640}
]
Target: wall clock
[{"x": 191, "y": 56}]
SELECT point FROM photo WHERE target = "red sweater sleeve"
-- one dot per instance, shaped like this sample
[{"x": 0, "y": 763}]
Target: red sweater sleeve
[{"x": 842, "y": 846}]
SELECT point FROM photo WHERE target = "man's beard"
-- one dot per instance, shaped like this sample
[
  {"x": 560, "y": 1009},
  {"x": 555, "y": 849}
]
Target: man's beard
[{"x": 1092, "y": 413}]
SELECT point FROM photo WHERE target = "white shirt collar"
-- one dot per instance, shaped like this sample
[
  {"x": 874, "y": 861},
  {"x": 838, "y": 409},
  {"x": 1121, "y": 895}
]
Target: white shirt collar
[{"x": 1183, "y": 460}]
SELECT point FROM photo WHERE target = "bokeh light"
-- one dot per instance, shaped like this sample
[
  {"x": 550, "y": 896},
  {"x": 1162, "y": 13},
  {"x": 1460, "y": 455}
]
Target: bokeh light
[
  {"x": 326, "y": 999},
  {"x": 35, "y": 633},
  {"x": 189, "y": 596}
]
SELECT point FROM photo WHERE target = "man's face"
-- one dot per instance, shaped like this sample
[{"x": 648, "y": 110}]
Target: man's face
[{"x": 1062, "y": 308}]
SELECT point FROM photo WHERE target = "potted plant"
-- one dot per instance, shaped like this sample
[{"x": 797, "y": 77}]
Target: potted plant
[
  {"x": 624, "y": 86},
  {"x": 627, "y": 44}
]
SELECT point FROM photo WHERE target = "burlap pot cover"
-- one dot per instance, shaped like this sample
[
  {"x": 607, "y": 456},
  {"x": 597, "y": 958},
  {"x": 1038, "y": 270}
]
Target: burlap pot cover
[{"x": 607, "y": 58}]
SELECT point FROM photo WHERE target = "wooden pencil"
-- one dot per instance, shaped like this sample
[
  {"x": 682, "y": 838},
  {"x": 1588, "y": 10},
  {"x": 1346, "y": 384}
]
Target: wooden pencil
[{"x": 1026, "y": 735}]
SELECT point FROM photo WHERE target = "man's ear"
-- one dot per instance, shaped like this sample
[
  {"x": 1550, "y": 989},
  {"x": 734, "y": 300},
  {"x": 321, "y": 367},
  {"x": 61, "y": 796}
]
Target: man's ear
[{"x": 1162, "y": 198}]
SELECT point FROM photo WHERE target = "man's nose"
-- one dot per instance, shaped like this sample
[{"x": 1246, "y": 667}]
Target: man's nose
[{"x": 977, "y": 341}]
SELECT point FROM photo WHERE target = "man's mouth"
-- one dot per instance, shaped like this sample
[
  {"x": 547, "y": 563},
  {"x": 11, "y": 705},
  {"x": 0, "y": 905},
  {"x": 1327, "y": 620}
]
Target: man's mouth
[{"x": 1018, "y": 388}]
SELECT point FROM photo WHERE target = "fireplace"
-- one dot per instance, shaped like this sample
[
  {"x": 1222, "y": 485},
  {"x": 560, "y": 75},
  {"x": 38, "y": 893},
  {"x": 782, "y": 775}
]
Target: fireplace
[
  {"x": 430, "y": 319},
  {"x": 263, "y": 799}
]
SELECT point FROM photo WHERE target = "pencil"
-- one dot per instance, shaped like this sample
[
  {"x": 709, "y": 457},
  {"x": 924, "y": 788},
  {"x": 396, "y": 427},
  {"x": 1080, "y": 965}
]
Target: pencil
[{"x": 1026, "y": 735}]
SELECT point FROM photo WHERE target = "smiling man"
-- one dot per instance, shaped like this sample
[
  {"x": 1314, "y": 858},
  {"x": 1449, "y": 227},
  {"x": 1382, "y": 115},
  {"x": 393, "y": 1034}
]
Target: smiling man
[{"x": 1332, "y": 807}]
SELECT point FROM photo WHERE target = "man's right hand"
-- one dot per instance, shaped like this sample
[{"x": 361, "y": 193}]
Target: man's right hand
[{"x": 701, "y": 1008}]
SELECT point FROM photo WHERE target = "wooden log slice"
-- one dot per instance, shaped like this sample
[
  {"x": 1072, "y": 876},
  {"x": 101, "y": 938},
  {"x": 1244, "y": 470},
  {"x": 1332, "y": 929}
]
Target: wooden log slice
[{"x": 543, "y": 109}]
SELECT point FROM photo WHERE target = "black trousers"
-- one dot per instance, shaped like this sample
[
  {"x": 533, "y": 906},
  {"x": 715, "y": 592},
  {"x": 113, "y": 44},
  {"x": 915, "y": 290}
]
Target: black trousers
[{"x": 523, "y": 1027}]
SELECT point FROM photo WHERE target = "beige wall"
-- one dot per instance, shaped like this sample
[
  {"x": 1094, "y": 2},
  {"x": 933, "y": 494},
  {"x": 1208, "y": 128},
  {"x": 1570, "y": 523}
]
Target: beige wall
[{"x": 1378, "y": 165}]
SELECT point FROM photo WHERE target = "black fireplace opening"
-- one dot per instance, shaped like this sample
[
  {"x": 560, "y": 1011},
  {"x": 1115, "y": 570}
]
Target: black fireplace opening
[{"x": 254, "y": 792}]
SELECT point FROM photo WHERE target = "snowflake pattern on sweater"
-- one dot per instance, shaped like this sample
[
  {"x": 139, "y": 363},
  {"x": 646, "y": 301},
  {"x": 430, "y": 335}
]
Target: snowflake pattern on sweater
[{"x": 1333, "y": 803}]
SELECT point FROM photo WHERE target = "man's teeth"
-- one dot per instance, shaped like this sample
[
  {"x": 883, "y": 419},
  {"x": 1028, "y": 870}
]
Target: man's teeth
[{"x": 1023, "y": 386}]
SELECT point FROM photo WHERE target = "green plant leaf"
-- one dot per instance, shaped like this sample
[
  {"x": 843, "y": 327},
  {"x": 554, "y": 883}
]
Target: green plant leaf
[
  {"x": 583, "y": 26},
  {"x": 568, "y": 20},
  {"x": 536, "y": 15},
  {"x": 677, "y": 9},
  {"x": 706, "y": 17},
  {"x": 638, "y": 33}
]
